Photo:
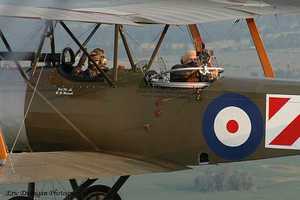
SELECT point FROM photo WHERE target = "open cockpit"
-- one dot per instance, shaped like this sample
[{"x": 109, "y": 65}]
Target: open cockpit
[
  {"x": 79, "y": 67},
  {"x": 196, "y": 70}
]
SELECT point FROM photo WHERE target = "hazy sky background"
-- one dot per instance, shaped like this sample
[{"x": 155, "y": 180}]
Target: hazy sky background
[{"x": 267, "y": 179}]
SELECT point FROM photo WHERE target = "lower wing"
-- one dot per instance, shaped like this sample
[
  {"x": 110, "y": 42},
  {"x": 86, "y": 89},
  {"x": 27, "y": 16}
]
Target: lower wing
[{"x": 64, "y": 165}]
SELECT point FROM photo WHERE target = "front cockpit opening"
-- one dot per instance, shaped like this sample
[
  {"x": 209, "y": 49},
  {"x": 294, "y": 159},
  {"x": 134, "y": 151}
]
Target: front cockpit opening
[{"x": 80, "y": 68}]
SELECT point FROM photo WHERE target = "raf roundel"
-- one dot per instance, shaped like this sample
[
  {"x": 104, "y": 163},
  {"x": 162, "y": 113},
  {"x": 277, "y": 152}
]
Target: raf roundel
[{"x": 232, "y": 126}]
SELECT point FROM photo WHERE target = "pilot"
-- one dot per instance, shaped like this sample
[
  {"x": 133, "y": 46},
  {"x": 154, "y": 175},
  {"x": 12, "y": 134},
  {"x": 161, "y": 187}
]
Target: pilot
[
  {"x": 190, "y": 59},
  {"x": 87, "y": 70}
]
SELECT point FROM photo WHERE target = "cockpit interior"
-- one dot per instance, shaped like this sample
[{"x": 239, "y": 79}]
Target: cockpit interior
[{"x": 78, "y": 67}]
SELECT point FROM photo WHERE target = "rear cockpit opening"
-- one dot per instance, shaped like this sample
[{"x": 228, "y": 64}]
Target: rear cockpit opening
[{"x": 196, "y": 70}]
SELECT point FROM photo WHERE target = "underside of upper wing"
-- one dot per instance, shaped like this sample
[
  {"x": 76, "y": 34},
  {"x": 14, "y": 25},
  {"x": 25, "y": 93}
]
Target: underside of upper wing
[{"x": 42, "y": 166}]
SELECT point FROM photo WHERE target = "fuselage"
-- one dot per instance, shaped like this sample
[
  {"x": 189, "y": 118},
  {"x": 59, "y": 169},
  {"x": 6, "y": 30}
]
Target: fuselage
[{"x": 134, "y": 120}]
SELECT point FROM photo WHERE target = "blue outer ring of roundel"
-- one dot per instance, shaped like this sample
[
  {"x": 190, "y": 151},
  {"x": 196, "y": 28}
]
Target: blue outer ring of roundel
[{"x": 257, "y": 130}]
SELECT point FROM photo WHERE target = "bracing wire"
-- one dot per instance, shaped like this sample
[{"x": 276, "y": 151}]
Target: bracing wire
[
  {"x": 136, "y": 42},
  {"x": 23, "y": 122},
  {"x": 26, "y": 113},
  {"x": 186, "y": 32}
]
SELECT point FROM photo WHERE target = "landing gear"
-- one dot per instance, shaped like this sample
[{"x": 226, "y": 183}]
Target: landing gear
[
  {"x": 87, "y": 192},
  {"x": 98, "y": 192},
  {"x": 21, "y": 198}
]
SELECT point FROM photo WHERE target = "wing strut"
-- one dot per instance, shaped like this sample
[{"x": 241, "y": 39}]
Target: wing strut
[
  {"x": 52, "y": 44},
  {"x": 31, "y": 190},
  {"x": 195, "y": 33},
  {"x": 127, "y": 49},
  {"x": 116, "y": 51},
  {"x": 155, "y": 52},
  {"x": 3, "y": 149},
  {"x": 260, "y": 48}
]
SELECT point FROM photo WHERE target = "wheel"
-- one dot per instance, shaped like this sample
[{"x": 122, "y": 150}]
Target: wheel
[
  {"x": 20, "y": 198},
  {"x": 97, "y": 192}
]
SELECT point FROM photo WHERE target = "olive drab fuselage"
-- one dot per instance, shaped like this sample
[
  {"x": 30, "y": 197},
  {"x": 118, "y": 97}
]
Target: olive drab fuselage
[{"x": 164, "y": 125}]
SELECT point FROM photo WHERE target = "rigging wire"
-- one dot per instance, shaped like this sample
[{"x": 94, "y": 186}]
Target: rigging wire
[
  {"x": 76, "y": 129},
  {"x": 26, "y": 113},
  {"x": 139, "y": 45},
  {"x": 129, "y": 46},
  {"x": 23, "y": 122},
  {"x": 186, "y": 31}
]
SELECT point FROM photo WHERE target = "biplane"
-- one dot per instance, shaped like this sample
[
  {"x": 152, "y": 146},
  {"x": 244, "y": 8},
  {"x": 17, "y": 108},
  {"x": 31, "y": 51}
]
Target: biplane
[{"x": 135, "y": 121}]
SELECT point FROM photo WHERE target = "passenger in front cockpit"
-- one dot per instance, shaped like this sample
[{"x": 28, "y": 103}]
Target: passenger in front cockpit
[
  {"x": 99, "y": 58},
  {"x": 88, "y": 71}
]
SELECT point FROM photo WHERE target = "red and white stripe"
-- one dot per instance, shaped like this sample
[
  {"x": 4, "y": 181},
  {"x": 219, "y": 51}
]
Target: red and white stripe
[{"x": 282, "y": 121}]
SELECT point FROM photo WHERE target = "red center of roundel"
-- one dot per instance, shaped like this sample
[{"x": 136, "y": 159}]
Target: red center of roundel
[{"x": 232, "y": 126}]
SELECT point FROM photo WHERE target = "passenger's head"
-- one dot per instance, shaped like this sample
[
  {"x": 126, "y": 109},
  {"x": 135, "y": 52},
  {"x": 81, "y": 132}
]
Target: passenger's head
[
  {"x": 98, "y": 55},
  {"x": 189, "y": 57}
]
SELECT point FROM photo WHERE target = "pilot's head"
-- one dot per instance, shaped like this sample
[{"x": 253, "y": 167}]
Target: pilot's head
[{"x": 188, "y": 57}]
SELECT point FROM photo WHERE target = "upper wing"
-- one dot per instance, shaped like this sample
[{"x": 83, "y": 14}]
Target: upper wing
[
  {"x": 62, "y": 14},
  {"x": 33, "y": 167},
  {"x": 195, "y": 11},
  {"x": 177, "y": 12}
]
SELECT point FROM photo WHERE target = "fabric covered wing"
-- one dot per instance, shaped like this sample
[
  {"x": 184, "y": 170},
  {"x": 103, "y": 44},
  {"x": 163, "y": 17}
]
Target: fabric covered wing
[
  {"x": 62, "y": 14},
  {"x": 176, "y": 12},
  {"x": 33, "y": 167},
  {"x": 181, "y": 12}
]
